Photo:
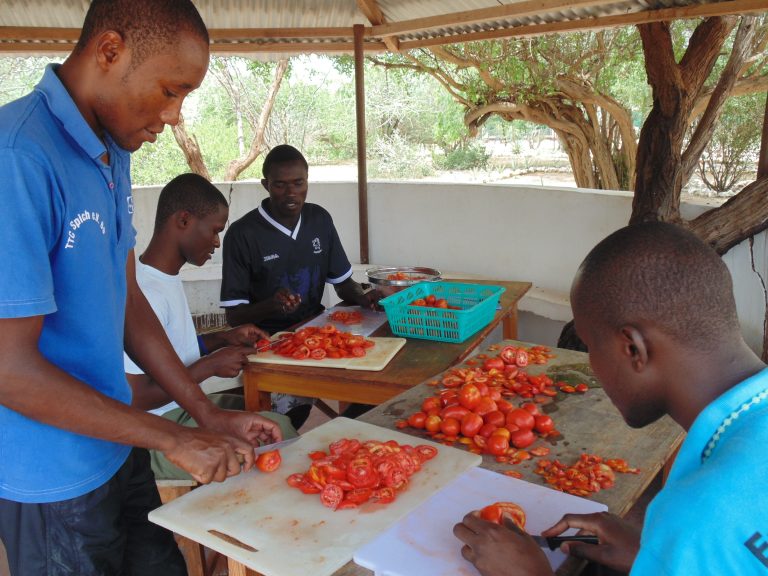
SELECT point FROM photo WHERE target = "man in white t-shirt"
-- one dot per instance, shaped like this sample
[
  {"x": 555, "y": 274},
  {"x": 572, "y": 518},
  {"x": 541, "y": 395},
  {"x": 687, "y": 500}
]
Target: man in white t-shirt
[{"x": 191, "y": 213}]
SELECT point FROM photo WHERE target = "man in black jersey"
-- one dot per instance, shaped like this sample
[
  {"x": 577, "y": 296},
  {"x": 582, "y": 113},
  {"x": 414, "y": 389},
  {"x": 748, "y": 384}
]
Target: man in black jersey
[{"x": 278, "y": 257}]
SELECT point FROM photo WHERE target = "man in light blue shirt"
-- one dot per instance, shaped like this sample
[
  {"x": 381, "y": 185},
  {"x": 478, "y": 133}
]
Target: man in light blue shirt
[
  {"x": 74, "y": 496},
  {"x": 655, "y": 307}
]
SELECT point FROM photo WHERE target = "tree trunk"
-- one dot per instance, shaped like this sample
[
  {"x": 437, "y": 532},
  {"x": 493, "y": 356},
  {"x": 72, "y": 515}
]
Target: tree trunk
[
  {"x": 190, "y": 148},
  {"x": 675, "y": 88},
  {"x": 257, "y": 143}
]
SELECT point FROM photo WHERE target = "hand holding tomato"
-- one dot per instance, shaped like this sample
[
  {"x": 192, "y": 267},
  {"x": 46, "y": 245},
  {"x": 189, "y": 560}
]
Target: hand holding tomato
[
  {"x": 285, "y": 302},
  {"x": 494, "y": 548},
  {"x": 269, "y": 461},
  {"x": 619, "y": 540}
]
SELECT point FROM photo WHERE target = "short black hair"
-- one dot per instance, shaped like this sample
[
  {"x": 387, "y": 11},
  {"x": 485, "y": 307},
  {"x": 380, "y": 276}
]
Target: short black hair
[
  {"x": 282, "y": 154},
  {"x": 664, "y": 274},
  {"x": 147, "y": 26},
  {"x": 190, "y": 192}
]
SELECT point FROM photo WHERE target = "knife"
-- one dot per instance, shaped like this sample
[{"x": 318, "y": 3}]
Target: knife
[
  {"x": 272, "y": 345},
  {"x": 275, "y": 446},
  {"x": 268, "y": 448},
  {"x": 553, "y": 542}
]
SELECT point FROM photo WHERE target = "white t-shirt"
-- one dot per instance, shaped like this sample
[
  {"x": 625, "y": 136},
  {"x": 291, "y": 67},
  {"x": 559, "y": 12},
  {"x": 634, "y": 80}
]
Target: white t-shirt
[{"x": 165, "y": 294}]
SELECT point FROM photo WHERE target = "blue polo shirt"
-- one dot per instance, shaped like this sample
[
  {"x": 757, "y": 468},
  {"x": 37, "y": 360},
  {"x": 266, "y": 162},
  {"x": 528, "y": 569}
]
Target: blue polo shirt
[
  {"x": 711, "y": 517},
  {"x": 66, "y": 235}
]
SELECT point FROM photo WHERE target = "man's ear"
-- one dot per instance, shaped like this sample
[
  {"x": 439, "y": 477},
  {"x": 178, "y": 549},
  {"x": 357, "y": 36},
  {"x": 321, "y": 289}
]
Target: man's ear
[
  {"x": 110, "y": 47},
  {"x": 264, "y": 183},
  {"x": 182, "y": 218},
  {"x": 634, "y": 346}
]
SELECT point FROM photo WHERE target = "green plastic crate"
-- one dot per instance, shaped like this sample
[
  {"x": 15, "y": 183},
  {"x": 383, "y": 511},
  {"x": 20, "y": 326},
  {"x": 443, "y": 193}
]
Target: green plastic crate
[{"x": 477, "y": 303}]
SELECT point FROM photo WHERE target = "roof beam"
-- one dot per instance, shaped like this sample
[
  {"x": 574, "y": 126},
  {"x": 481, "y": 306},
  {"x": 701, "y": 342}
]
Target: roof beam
[
  {"x": 469, "y": 17},
  {"x": 644, "y": 17},
  {"x": 371, "y": 10}
]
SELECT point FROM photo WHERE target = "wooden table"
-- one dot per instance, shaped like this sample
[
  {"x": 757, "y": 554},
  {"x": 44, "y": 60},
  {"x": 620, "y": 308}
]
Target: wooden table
[
  {"x": 416, "y": 362},
  {"x": 588, "y": 422}
]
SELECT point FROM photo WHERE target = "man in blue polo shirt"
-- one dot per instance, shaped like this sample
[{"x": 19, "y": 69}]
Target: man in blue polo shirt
[
  {"x": 74, "y": 495},
  {"x": 278, "y": 258},
  {"x": 655, "y": 307}
]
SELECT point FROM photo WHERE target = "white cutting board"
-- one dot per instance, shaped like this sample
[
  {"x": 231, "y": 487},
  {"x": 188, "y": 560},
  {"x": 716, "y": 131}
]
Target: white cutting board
[
  {"x": 423, "y": 542},
  {"x": 294, "y": 533},
  {"x": 376, "y": 358},
  {"x": 371, "y": 321}
]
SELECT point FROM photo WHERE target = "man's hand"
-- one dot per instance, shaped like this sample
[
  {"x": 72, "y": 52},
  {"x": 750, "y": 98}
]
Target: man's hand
[
  {"x": 619, "y": 540},
  {"x": 369, "y": 299},
  {"x": 244, "y": 335},
  {"x": 285, "y": 302},
  {"x": 500, "y": 550},
  {"x": 208, "y": 456},
  {"x": 247, "y": 426},
  {"x": 227, "y": 362}
]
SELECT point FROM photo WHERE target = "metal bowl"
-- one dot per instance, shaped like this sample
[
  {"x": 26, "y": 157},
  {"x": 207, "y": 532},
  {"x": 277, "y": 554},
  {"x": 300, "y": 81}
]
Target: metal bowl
[{"x": 389, "y": 280}]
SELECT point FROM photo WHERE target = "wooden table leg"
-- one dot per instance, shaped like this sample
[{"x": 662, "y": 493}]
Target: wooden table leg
[
  {"x": 509, "y": 325},
  {"x": 255, "y": 400},
  {"x": 234, "y": 568}
]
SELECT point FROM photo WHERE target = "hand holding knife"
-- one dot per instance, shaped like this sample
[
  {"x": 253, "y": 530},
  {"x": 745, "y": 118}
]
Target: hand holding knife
[{"x": 553, "y": 542}]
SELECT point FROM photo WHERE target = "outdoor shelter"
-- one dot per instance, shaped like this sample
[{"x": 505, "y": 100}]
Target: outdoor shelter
[{"x": 268, "y": 29}]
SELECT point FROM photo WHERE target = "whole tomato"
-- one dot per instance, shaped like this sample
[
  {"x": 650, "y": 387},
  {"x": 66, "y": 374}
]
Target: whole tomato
[
  {"x": 484, "y": 406},
  {"x": 450, "y": 427},
  {"x": 432, "y": 424},
  {"x": 455, "y": 411},
  {"x": 543, "y": 424},
  {"x": 521, "y": 419},
  {"x": 522, "y": 438},
  {"x": 497, "y": 445},
  {"x": 495, "y": 417},
  {"x": 493, "y": 363},
  {"x": 471, "y": 424},
  {"x": 417, "y": 420},
  {"x": 430, "y": 403},
  {"x": 469, "y": 396}
]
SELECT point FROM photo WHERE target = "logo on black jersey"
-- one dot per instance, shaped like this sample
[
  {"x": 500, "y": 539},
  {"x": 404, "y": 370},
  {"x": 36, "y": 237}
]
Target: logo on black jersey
[
  {"x": 316, "y": 245},
  {"x": 271, "y": 257}
]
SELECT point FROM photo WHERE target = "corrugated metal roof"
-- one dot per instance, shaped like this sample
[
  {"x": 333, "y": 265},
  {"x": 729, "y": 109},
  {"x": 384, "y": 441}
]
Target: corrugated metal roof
[{"x": 279, "y": 27}]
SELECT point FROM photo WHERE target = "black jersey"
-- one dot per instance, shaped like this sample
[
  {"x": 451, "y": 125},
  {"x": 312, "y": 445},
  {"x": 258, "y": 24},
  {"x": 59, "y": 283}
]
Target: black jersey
[{"x": 261, "y": 255}]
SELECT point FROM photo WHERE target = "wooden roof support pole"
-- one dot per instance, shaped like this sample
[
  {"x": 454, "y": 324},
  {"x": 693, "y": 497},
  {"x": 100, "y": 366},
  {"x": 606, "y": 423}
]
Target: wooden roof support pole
[
  {"x": 362, "y": 168},
  {"x": 762, "y": 161}
]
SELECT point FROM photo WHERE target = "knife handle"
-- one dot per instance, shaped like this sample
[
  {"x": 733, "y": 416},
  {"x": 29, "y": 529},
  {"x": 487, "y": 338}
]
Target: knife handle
[{"x": 554, "y": 541}]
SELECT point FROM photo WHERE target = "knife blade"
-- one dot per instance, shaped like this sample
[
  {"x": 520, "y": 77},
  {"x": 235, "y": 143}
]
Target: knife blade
[
  {"x": 271, "y": 345},
  {"x": 275, "y": 446},
  {"x": 553, "y": 542}
]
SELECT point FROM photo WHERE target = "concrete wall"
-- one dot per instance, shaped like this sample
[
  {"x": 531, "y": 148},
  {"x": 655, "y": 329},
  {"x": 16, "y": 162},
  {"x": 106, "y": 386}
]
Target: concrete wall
[{"x": 538, "y": 234}]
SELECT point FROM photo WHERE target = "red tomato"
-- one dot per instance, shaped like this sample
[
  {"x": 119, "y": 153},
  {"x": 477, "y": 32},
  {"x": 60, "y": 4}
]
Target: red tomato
[
  {"x": 417, "y": 420},
  {"x": 430, "y": 300},
  {"x": 521, "y": 419},
  {"x": 450, "y": 427},
  {"x": 521, "y": 358},
  {"x": 455, "y": 411},
  {"x": 430, "y": 403},
  {"x": 358, "y": 495},
  {"x": 494, "y": 512},
  {"x": 441, "y": 303},
  {"x": 432, "y": 424},
  {"x": 262, "y": 343},
  {"x": 492, "y": 363},
  {"x": 469, "y": 396},
  {"x": 486, "y": 430},
  {"x": 508, "y": 354},
  {"x": 317, "y": 354},
  {"x": 543, "y": 424},
  {"x": 581, "y": 387},
  {"x": 532, "y": 408},
  {"x": 301, "y": 353},
  {"x": 426, "y": 452},
  {"x": 269, "y": 461},
  {"x": 497, "y": 444},
  {"x": 485, "y": 405},
  {"x": 504, "y": 406},
  {"x": 331, "y": 496},
  {"x": 471, "y": 424},
  {"x": 523, "y": 438},
  {"x": 384, "y": 495},
  {"x": 419, "y": 302},
  {"x": 495, "y": 417}
]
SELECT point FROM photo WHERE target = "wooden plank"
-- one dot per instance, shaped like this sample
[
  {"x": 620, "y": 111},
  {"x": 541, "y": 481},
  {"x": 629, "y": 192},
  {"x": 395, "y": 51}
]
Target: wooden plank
[{"x": 559, "y": 27}]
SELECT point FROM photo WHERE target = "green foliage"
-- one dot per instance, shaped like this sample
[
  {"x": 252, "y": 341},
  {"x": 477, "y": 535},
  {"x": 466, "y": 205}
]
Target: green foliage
[
  {"x": 467, "y": 156},
  {"x": 732, "y": 151},
  {"x": 393, "y": 157}
]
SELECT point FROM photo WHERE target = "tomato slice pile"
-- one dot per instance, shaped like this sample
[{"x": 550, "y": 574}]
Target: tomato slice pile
[
  {"x": 322, "y": 342},
  {"x": 344, "y": 317},
  {"x": 589, "y": 474},
  {"x": 494, "y": 513},
  {"x": 404, "y": 276},
  {"x": 353, "y": 472}
]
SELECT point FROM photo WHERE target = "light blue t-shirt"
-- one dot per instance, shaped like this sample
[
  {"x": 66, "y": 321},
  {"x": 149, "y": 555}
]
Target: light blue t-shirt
[
  {"x": 711, "y": 517},
  {"x": 66, "y": 235}
]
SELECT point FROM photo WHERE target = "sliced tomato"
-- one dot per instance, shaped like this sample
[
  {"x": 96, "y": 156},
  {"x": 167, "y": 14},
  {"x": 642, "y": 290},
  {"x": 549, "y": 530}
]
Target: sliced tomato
[
  {"x": 331, "y": 496},
  {"x": 426, "y": 452},
  {"x": 494, "y": 513},
  {"x": 317, "y": 354}
]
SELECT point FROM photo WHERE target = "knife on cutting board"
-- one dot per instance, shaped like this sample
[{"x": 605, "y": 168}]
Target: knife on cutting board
[
  {"x": 553, "y": 542},
  {"x": 269, "y": 448}
]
